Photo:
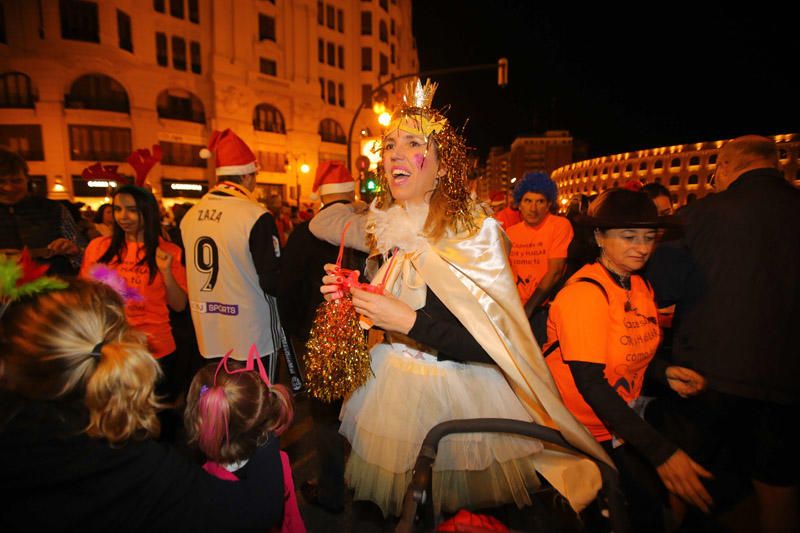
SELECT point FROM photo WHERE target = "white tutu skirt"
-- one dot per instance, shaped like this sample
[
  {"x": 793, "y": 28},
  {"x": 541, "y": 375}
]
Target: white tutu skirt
[{"x": 387, "y": 419}]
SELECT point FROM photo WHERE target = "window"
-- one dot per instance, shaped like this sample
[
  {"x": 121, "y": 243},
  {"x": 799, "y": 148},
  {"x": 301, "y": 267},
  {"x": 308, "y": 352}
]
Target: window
[
  {"x": 366, "y": 94},
  {"x": 643, "y": 165},
  {"x": 675, "y": 163},
  {"x": 693, "y": 179},
  {"x": 79, "y": 21},
  {"x": 330, "y": 16},
  {"x": 392, "y": 27},
  {"x": 674, "y": 180},
  {"x": 268, "y": 118},
  {"x": 392, "y": 51},
  {"x": 331, "y": 93},
  {"x": 331, "y": 131},
  {"x": 194, "y": 54},
  {"x": 658, "y": 164},
  {"x": 322, "y": 89},
  {"x": 694, "y": 160},
  {"x": 321, "y": 50},
  {"x": 124, "y": 31},
  {"x": 16, "y": 90},
  {"x": 182, "y": 155},
  {"x": 180, "y": 105},
  {"x": 384, "y": 65},
  {"x": 383, "y": 34},
  {"x": 158, "y": 5},
  {"x": 25, "y": 139},
  {"x": 320, "y": 13},
  {"x": 341, "y": 95},
  {"x": 366, "y": 59},
  {"x": 194, "y": 11},
  {"x": 331, "y": 54},
  {"x": 161, "y": 49},
  {"x": 268, "y": 67},
  {"x": 178, "y": 53},
  {"x": 176, "y": 8},
  {"x": 266, "y": 27},
  {"x": 366, "y": 23},
  {"x": 272, "y": 161},
  {"x": 783, "y": 154},
  {"x": 99, "y": 143},
  {"x": 340, "y": 20},
  {"x": 712, "y": 159},
  {"x": 340, "y": 54},
  {"x": 628, "y": 167},
  {"x": 97, "y": 91},
  {"x": 3, "y": 38},
  {"x": 384, "y": 4}
]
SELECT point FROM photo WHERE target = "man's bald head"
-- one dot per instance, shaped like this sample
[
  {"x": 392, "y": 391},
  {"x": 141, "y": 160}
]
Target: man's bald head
[{"x": 743, "y": 154}]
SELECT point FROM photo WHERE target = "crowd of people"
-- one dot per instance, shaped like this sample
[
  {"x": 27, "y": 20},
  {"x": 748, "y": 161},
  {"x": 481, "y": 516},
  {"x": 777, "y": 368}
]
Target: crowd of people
[{"x": 666, "y": 342}]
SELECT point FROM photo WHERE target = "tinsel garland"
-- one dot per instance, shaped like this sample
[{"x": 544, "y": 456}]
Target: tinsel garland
[{"x": 337, "y": 360}]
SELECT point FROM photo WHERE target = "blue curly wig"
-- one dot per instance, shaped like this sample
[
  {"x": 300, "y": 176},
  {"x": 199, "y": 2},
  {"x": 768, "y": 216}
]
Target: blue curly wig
[{"x": 537, "y": 182}]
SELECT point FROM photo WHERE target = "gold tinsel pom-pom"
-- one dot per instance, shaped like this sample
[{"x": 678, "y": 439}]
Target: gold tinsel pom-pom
[{"x": 337, "y": 360}]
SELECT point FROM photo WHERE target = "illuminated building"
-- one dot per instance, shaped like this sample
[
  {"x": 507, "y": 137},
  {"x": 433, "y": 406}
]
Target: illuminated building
[
  {"x": 684, "y": 169},
  {"x": 82, "y": 81},
  {"x": 529, "y": 153}
]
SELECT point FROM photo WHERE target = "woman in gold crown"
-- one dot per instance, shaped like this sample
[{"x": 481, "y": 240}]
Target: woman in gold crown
[{"x": 457, "y": 342}]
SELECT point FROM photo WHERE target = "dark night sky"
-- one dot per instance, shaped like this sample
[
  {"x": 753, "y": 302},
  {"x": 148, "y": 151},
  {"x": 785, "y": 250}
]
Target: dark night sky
[{"x": 618, "y": 81}]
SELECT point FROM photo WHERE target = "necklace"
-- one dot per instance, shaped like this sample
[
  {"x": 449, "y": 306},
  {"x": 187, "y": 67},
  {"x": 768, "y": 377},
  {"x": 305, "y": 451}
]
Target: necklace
[{"x": 623, "y": 281}]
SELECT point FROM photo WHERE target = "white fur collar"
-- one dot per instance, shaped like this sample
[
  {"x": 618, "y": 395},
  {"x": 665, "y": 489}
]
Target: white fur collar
[{"x": 397, "y": 227}]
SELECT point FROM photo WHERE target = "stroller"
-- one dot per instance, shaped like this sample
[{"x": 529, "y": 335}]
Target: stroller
[{"x": 417, "y": 513}]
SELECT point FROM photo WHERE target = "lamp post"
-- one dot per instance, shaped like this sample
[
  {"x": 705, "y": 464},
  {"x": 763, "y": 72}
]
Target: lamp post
[
  {"x": 502, "y": 81},
  {"x": 303, "y": 168}
]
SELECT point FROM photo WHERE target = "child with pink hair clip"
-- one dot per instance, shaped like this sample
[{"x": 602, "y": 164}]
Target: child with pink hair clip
[{"x": 230, "y": 413}]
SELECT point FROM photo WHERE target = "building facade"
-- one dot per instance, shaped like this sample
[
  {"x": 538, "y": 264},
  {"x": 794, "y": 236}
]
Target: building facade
[
  {"x": 684, "y": 169},
  {"x": 528, "y": 153},
  {"x": 85, "y": 81}
]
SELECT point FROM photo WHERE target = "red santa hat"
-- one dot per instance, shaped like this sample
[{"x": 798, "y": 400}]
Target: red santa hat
[
  {"x": 332, "y": 177},
  {"x": 231, "y": 155}
]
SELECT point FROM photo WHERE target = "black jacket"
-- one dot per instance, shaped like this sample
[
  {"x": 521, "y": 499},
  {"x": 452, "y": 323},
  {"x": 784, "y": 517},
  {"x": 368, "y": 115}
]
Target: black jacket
[
  {"x": 301, "y": 277},
  {"x": 736, "y": 322},
  {"x": 55, "y": 478}
]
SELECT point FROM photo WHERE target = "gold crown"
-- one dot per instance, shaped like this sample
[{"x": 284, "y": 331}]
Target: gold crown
[{"x": 418, "y": 95}]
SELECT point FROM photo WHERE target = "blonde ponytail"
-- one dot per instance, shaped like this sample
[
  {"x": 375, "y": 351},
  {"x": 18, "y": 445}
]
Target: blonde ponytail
[{"x": 49, "y": 352}]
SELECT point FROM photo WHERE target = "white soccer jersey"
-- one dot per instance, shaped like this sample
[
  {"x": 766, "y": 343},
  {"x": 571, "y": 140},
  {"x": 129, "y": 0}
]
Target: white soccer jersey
[{"x": 229, "y": 308}]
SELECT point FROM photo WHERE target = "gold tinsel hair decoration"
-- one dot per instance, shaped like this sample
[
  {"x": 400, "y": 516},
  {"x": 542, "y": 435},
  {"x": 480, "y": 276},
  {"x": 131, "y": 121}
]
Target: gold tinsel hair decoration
[{"x": 417, "y": 117}]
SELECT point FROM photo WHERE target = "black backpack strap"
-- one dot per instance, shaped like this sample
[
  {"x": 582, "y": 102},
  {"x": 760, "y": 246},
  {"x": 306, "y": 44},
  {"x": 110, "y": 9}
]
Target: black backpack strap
[
  {"x": 595, "y": 283},
  {"x": 552, "y": 347}
]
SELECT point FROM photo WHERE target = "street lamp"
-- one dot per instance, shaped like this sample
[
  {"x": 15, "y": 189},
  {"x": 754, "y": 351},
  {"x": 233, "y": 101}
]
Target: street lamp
[
  {"x": 384, "y": 119},
  {"x": 299, "y": 168}
]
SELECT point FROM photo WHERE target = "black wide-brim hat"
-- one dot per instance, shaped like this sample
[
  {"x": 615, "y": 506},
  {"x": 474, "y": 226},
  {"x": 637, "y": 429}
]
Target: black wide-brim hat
[{"x": 623, "y": 208}]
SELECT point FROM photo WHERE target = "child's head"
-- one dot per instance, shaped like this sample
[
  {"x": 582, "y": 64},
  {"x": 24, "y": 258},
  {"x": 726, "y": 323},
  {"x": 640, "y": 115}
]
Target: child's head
[
  {"x": 232, "y": 414},
  {"x": 75, "y": 343}
]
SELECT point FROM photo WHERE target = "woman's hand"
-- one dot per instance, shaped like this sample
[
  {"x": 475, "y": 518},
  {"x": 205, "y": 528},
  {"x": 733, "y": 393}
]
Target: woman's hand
[
  {"x": 331, "y": 287},
  {"x": 62, "y": 246},
  {"x": 685, "y": 381},
  {"x": 163, "y": 260},
  {"x": 387, "y": 312},
  {"x": 682, "y": 476}
]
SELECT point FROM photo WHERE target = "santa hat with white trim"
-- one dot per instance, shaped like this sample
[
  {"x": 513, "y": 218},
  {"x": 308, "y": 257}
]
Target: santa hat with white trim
[
  {"x": 231, "y": 155},
  {"x": 332, "y": 178}
]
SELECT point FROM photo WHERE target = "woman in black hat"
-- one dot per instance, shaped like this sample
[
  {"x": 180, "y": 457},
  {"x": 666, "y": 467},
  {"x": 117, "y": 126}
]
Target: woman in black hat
[{"x": 602, "y": 335}]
